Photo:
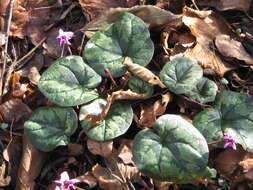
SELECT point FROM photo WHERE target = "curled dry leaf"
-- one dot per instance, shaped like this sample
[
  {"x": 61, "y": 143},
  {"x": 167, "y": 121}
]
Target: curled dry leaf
[
  {"x": 223, "y": 5},
  {"x": 143, "y": 73},
  {"x": 4, "y": 180},
  {"x": 14, "y": 110},
  {"x": 247, "y": 162},
  {"x": 120, "y": 95},
  {"x": 93, "y": 8},
  {"x": 162, "y": 185},
  {"x": 232, "y": 48},
  {"x": 149, "y": 113},
  {"x": 125, "y": 152},
  {"x": 151, "y": 15},
  {"x": 228, "y": 161},
  {"x": 30, "y": 166},
  {"x": 103, "y": 149},
  {"x": 88, "y": 178},
  {"x": 205, "y": 26}
]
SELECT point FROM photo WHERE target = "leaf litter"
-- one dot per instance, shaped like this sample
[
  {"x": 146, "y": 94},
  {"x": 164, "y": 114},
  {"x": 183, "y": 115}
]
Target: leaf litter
[{"x": 206, "y": 35}]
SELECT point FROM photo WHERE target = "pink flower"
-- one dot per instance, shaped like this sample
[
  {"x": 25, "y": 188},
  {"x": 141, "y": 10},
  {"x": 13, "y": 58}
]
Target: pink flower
[
  {"x": 66, "y": 183},
  {"x": 65, "y": 37},
  {"x": 230, "y": 141}
]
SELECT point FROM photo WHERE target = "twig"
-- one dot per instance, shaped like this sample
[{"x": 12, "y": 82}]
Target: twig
[
  {"x": 13, "y": 65},
  {"x": 195, "y": 5},
  {"x": 6, "y": 47}
]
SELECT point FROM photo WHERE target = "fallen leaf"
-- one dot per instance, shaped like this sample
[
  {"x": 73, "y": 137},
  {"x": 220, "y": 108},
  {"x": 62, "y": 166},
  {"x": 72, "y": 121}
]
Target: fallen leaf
[
  {"x": 14, "y": 110},
  {"x": 93, "y": 8},
  {"x": 162, "y": 185},
  {"x": 89, "y": 179},
  {"x": 12, "y": 154},
  {"x": 205, "y": 26},
  {"x": 120, "y": 95},
  {"x": 4, "y": 180},
  {"x": 232, "y": 48},
  {"x": 30, "y": 166},
  {"x": 228, "y": 161},
  {"x": 103, "y": 149},
  {"x": 224, "y": 5},
  {"x": 247, "y": 162},
  {"x": 75, "y": 149},
  {"x": 151, "y": 15},
  {"x": 125, "y": 152},
  {"x": 22, "y": 14},
  {"x": 34, "y": 75},
  {"x": 36, "y": 62},
  {"x": 106, "y": 180},
  {"x": 52, "y": 46},
  {"x": 149, "y": 113},
  {"x": 143, "y": 73}
]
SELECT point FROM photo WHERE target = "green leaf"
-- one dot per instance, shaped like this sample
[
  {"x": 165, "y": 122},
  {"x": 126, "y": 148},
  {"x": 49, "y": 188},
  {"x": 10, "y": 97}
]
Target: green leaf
[
  {"x": 69, "y": 82},
  {"x": 128, "y": 37},
  {"x": 140, "y": 86},
  {"x": 116, "y": 123},
  {"x": 204, "y": 91},
  {"x": 49, "y": 127},
  {"x": 181, "y": 75},
  {"x": 168, "y": 152},
  {"x": 233, "y": 114}
]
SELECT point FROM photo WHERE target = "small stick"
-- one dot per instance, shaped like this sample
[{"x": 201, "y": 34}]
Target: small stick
[
  {"x": 215, "y": 142},
  {"x": 6, "y": 47},
  {"x": 195, "y": 5}
]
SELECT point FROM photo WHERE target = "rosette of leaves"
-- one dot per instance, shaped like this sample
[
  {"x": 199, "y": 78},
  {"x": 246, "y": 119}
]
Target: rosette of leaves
[
  {"x": 49, "y": 127},
  {"x": 69, "y": 82},
  {"x": 127, "y": 37},
  {"x": 232, "y": 113},
  {"x": 115, "y": 123},
  {"x": 181, "y": 75},
  {"x": 204, "y": 91},
  {"x": 140, "y": 86},
  {"x": 168, "y": 152}
]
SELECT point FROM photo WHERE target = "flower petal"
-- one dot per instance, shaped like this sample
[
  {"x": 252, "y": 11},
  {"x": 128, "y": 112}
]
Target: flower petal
[{"x": 64, "y": 176}]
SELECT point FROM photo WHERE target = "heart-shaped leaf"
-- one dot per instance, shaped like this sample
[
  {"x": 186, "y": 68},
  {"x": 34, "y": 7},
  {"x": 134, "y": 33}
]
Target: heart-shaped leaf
[
  {"x": 140, "y": 86},
  {"x": 204, "y": 91},
  {"x": 128, "y": 37},
  {"x": 49, "y": 127},
  {"x": 116, "y": 122},
  {"x": 168, "y": 152},
  {"x": 69, "y": 82},
  {"x": 233, "y": 114},
  {"x": 181, "y": 75}
]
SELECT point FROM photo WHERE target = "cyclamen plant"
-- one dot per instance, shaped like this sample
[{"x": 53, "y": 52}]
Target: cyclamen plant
[{"x": 160, "y": 151}]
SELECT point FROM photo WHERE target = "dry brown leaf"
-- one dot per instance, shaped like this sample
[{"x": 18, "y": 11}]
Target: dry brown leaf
[
  {"x": 36, "y": 62},
  {"x": 51, "y": 45},
  {"x": 100, "y": 148},
  {"x": 247, "y": 162},
  {"x": 120, "y": 95},
  {"x": 151, "y": 15},
  {"x": 162, "y": 185},
  {"x": 106, "y": 180},
  {"x": 14, "y": 110},
  {"x": 23, "y": 13},
  {"x": 205, "y": 26},
  {"x": 149, "y": 113},
  {"x": 143, "y": 73},
  {"x": 30, "y": 166},
  {"x": 223, "y": 5},
  {"x": 89, "y": 179},
  {"x": 228, "y": 161},
  {"x": 4, "y": 180},
  {"x": 75, "y": 149},
  {"x": 232, "y": 48},
  {"x": 93, "y": 8},
  {"x": 125, "y": 151}
]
